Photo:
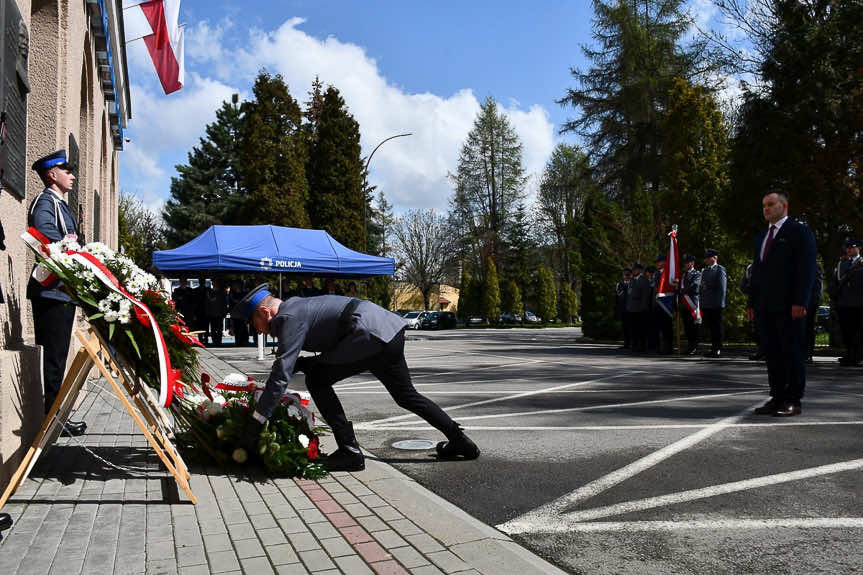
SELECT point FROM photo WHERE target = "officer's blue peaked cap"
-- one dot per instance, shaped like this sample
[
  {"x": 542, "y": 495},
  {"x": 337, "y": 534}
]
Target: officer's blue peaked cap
[
  {"x": 244, "y": 308},
  {"x": 52, "y": 160}
]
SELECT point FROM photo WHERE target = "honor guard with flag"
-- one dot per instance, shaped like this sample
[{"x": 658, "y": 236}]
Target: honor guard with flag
[
  {"x": 638, "y": 307},
  {"x": 665, "y": 305},
  {"x": 690, "y": 284},
  {"x": 53, "y": 311}
]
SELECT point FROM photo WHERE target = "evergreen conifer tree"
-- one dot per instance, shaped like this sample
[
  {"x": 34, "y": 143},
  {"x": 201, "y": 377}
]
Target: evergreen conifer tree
[
  {"x": 274, "y": 156},
  {"x": 491, "y": 293},
  {"x": 207, "y": 190},
  {"x": 337, "y": 201},
  {"x": 546, "y": 294}
]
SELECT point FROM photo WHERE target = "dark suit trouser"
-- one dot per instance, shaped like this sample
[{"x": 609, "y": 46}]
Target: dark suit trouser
[
  {"x": 850, "y": 319},
  {"x": 713, "y": 322},
  {"x": 626, "y": 323},
  {"x": 666, "y": 330},
  {"x": 785, "y": 345},
  {"x": 691, "y": 329},
  {"x": 390, "y": 367},
  {"x": 241, "y": 332},
  {"x": 811, "y": 316},
  {"x": 52, "y": 323}
]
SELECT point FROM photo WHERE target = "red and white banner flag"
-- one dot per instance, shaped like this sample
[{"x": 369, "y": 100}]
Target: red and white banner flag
[
  {"x": 694, "y": 310},
  {"x": 671, "y": 269},
  {"x": 155, "y": 22}
]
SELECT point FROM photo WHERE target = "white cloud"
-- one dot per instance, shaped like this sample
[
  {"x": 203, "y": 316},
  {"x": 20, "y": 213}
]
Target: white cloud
[{"x": 411, "y": 171}]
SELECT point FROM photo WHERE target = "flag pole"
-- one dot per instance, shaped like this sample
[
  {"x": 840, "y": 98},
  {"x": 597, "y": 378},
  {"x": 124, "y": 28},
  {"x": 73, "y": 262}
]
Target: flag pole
[{"x": 677, "y": 285}]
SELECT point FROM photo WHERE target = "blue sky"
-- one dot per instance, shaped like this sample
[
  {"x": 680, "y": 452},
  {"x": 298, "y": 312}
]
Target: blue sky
[{"x": 401, "y": 67}]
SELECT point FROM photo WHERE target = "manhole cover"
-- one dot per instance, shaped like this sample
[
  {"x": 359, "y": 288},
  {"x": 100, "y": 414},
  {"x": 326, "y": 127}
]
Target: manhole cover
[{"x": 414, "y": 444}]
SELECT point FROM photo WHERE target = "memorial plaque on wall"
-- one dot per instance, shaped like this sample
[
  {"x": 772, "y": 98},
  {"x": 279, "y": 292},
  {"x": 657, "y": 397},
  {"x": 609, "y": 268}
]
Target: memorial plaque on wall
[
  {"x": 72, "y": 156},
  {"x": 14, "y": 87}
]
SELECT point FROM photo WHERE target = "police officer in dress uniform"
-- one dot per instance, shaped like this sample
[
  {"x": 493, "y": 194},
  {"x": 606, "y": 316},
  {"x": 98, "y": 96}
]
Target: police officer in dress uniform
[
  {"x": 652, "y": 322},
  {"x": 352, "y": 336},
  {"x": 690, "y": 284},
  {"x": 621, "y": 293},
  {"x": 849, "y": 301},
  {"x": 712, "y": 299},
  {"x": 53, "y": 311},
  {"x": 638, "y": 306}
]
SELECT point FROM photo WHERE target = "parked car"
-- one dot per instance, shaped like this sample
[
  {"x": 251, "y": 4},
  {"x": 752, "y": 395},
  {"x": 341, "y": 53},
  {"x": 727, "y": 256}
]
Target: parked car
[
  {"x": 507, "y": 317},
  {"x": 414, "y": 318},
  {"x": 530, "y": 317},
  {"x": 438, "y": 320},
  {"x": 822, "y": 319}
]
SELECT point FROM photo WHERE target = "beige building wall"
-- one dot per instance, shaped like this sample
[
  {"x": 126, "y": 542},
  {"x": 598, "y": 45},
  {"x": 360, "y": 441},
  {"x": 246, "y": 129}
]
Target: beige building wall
[
  {"x": 407, "y": 296},
  {"x": 68, "y": 75}
]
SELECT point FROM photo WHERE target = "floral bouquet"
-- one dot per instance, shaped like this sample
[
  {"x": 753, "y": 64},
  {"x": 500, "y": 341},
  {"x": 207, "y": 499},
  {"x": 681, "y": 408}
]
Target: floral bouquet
[
  {"x": 288, "y": 443},
  {"x": 125, "y": 306}
]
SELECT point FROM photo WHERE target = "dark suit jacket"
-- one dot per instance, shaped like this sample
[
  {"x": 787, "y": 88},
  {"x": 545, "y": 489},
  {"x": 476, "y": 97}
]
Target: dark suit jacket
[{"x": 786, "y": 276}]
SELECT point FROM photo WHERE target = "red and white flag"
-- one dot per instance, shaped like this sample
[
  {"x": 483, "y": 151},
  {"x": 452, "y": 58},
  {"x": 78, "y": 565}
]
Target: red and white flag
[
  {"x": 671, "y": 269},
  {"x": 155, "y": 22}
]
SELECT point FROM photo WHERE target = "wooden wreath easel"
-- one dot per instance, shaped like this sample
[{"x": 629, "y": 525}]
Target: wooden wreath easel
[{"x": 149, "y": 415}]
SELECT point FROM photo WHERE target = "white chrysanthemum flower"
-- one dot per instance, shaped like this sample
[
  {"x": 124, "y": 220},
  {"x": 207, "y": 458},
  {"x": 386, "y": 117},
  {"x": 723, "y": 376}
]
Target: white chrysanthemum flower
[
  {"x": 293, "y": 411},
  {"x": 235, "y": 379},
  {"x": 304, "y": 441},
  {"x": 111, "y": 316},
  {"x": 123, "y": 317}
]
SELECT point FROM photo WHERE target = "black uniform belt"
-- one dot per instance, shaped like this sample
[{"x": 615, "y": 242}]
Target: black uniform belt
[{"x": 345, "y": 325}]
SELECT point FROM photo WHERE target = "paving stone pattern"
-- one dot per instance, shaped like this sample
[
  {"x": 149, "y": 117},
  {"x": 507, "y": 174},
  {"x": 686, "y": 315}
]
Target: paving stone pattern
[{"x": 77, "y": 514}]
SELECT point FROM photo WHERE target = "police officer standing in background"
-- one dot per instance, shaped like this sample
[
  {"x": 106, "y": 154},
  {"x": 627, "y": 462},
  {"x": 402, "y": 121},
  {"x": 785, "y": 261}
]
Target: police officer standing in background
[
  {"x": 621, "y": 293},
  {"x": 690, "y": 284},
  {"x": 638, "y": 306},
  {"x": 53, "y": 311},
  {"x": 713, "y": 285},
  {"x": 849, "y": 301}
]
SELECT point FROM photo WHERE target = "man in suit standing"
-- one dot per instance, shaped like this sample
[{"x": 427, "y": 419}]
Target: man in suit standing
[
  {"x": 713, "y": 285},
  {"x": 690, "y": 284},
  {"x": 783, "y": 272},
  {"x": 53, "y": 311}
]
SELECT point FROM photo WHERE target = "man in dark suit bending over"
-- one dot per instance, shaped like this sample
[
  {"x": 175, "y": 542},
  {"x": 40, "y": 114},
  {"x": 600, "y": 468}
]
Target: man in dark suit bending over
[{"x": 783, "y": 272}]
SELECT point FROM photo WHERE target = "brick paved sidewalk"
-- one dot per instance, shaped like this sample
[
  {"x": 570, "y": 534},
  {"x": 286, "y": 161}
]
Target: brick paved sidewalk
[{"x": 77, "y": 514}]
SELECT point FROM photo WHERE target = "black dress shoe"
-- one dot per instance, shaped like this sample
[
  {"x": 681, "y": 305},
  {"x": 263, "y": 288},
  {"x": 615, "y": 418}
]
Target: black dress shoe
[
  {"x": 460, "y": 446},
  {"x": 788, "y": 410},
  {"x": 712, "y": 353},
  {"x": 692, "y": 351},
  {"x": 768, "y": 408},
  {"x": 756, "y": 356},
  {"x": 5, "y": 521},
  {"x": 73, "y": 429},
  {"x": 345, "y": 458}
]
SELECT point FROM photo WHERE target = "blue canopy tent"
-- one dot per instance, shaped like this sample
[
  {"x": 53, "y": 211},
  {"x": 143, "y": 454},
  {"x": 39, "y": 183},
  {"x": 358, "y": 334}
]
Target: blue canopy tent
[{"x": 271, "y": 249}]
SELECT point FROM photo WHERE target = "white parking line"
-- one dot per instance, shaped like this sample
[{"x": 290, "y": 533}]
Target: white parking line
[
  {"x": 544, "y": 518},
  {"x": 712, "y": 491},
  {"x": 410, "y": 427},
  {"x": 508, "y": 397},
  {"x": 375, "y": 389},
  {"x": 717, "y": 524},
  {"x": 602, "y": 406}
]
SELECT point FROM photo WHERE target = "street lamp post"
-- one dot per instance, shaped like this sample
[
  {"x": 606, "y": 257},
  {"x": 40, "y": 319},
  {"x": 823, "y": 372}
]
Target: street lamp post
[{"x": 366, "y": 171}]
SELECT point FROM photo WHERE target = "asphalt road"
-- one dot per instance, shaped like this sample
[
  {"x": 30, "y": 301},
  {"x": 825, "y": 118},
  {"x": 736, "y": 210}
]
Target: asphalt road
[{"x": 609, "y": 463}]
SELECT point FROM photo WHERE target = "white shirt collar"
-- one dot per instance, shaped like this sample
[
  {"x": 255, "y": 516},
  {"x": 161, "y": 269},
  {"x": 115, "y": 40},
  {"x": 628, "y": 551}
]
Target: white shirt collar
[
  {"x": 59, "y": 196},
  {"x": 778, "y": 224}
]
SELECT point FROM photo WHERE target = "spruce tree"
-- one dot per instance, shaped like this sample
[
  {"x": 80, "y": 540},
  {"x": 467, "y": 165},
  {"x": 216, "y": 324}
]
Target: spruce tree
[
  {"x": 567, "y": 303},
  {"x": 491, "y": 293},
  {"x": 274, "y": 156},
  {"x": 546, "y": 296},
  {"x": 207, "y": 190},
  {"x": 511, "y": 298},
  {"x": 489, "y": 183},
  {"x": 335, "y": 174}
]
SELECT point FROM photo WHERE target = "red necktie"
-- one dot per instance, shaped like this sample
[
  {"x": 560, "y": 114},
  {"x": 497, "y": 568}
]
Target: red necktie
[{"x": 767, "y": 243}]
